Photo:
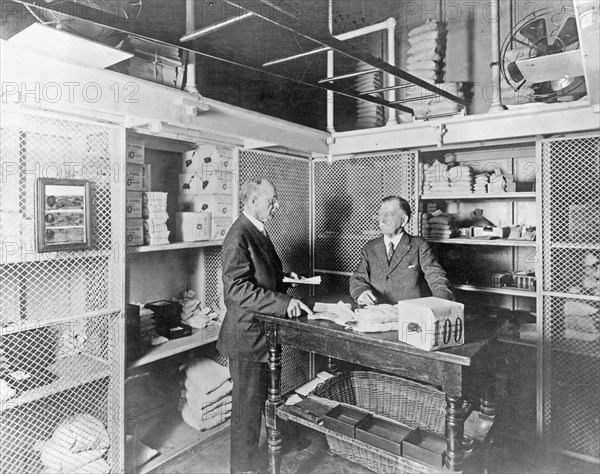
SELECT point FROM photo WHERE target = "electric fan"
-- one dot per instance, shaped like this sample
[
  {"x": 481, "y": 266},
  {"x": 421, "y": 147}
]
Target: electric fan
[{"x": 540, "y": 58}]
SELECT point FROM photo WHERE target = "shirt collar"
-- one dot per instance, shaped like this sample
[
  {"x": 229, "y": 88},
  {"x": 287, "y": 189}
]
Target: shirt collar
[
  {"x": 395, "y": 240},
  {"x": 258, "y": 224}
]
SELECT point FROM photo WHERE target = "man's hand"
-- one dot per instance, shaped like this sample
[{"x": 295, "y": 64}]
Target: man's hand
[
  {"x": 367, "y": 298},
  {"x": 295, "y": 308},
  {"x": 295, "y": 276}
]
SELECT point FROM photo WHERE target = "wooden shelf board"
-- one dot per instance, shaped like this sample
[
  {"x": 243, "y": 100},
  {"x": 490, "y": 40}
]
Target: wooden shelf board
[
  {"x": 497, "y": 291},
  {"x": 174, "y": 246},
  {"x": 171, "y": 436},
  {"x": 71, "y": 372},
  {"x": 199, "y": 337},
  {"x": 479, "y": 197},
  {"x": 491, "y": 243}
]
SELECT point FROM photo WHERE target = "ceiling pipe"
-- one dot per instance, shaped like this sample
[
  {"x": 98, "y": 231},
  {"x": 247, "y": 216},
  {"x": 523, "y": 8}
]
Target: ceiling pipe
[
  {"x": 215, "y": 27},
  {"x": 495, "y": 65},
  {"x": 190, "y": 68}
]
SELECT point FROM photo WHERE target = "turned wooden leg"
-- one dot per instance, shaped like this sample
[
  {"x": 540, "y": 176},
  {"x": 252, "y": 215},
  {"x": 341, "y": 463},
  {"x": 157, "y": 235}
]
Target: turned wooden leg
[
  {"x": 274, "y": 399},
  {"x": 332, "y": 367},
  {"x": 455, "y": 428},
  {"x": 487, "y": 400}
]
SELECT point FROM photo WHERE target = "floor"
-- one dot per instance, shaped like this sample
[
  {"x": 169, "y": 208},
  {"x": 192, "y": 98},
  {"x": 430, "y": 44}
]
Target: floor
[{"x": 507, "y": 456}]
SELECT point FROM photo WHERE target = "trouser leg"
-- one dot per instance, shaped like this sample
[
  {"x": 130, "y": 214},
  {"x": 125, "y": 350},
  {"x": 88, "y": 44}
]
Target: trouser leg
[{"x": 248, "y": 402}]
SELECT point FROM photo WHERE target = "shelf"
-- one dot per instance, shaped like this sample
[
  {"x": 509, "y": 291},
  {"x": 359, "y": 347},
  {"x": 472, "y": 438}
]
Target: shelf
[
  {"x": 198, "y": 338},
  {"x": 497, "y": 291},
  {"x": 491, "y": 243},
  {"x": 22, "y": 254},
  {"x": 71, "y": 371},
  {"x": 478, "y": 197},
  {"x": 174, "y": 246},
  {"x": 518, "y": 342},
  {"x": 171, "y": 436}
]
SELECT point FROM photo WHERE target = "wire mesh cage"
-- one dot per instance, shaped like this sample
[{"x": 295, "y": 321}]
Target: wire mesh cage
[
  {"x": 348, "y": 194},
  {"x": 60, "y": 312},
  {"x": 289, "y": 231},
  {"x": 571, "y": 293}
]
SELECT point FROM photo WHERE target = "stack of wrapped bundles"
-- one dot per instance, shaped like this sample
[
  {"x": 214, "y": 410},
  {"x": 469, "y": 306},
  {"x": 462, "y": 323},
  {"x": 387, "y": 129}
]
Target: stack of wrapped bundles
[
  {"x": 439, "y": 225},
  {"x": 207, "y": 394},
  {"x": 154, "y": 212},
  {"x": 376, "y": 318},
  {"x": 193, "y": 314},
  {"x": 148, "y": 333},
  {"x": 368, "y": 114},
  {"x": 435, "y": 178},
  {"x": 461, "y": 179},
  {"x": 481, "y": 183},
  {"x": 78, "y": 444},
  {"x": 425, "y": 105},
  {"x": 425, "y": 57}
]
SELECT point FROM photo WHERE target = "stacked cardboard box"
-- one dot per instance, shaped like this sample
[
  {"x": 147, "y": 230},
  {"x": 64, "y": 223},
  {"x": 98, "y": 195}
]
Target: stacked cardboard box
[
  {"x": 205, "y": 199},
  {"x": 137, "y": 176}
]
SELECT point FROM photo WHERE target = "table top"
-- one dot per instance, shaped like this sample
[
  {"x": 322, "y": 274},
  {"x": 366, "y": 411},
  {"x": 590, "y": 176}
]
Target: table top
[{"x": 477, "y": 335}]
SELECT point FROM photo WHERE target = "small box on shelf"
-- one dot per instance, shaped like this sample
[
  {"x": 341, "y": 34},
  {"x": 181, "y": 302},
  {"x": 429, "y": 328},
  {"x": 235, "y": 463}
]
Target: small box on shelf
[
  {"x": 207, "y": 158},
  {"x": 134, "y": 232},
  {"x": 219, "y": 227},
  {"x": 220, "y": 205},
  {"x": 192, "y": 226},
  {"x": 426, "y": 447},
  {"x": 383, "y": 434},
  {"x": 138, "y": 177},
  {"x": 134, "y": 205},
  {"x": 135, "y": 153},
  {"x": 343, "y": 419}
]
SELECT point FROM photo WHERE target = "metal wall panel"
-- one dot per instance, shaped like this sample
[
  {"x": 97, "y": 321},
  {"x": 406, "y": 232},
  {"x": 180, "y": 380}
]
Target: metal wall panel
[
  {"x": 61, "y": 312},
  {"x": 571, "y": 293},
  {"x": 289, "y": 231}
]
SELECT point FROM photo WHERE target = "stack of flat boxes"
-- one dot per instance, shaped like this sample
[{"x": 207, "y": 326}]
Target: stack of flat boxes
[
  {"x": 138, "y": 181},
  {"x": 205, "y": 201}
]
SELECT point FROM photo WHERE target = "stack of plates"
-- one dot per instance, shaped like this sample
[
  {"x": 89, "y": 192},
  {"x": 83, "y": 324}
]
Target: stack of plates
[{"x": 368, "y": 114}]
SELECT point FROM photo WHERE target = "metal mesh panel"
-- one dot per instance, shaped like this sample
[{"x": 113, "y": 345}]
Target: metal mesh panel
[
  {"x": 213, "y": 277},
  {"x": 572, "y": 381},
  {"x": 348, "y": 194},
  {"x": 45, "y": 286},
  {"x": 333, "y": 284},
  {"x": 571, "y": 301},
  {"x": 61, "y": 326},
  {"x": 69, "y": 368},
  {"x": 289, "y": 231}
]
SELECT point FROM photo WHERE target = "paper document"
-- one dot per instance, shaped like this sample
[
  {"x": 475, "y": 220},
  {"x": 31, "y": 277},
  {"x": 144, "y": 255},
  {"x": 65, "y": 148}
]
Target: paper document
[
  {"x": 309, "y": 386},
  {"x": 305, "y": 281}
]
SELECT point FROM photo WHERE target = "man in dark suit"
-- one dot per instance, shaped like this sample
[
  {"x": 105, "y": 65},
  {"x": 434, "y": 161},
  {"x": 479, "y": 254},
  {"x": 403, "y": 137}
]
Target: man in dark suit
[
  {"x": 252, "y": 284},
  {"x": 397, "y": 266}
]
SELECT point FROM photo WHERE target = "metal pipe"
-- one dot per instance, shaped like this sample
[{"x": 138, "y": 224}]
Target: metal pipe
[
  {"x": 330, "y": 72},
  {"x": 497, "y": 96},
  {"x": 348, "y": 76},
  {"x": 215, "y": 27},
  {"x": 190, "y": 68},
  {"x": 296, "y": 56},
  {"x": 389, "y": 79},
  {"x": 383, "y": 25},
  {"x": 383, "y": 89}
]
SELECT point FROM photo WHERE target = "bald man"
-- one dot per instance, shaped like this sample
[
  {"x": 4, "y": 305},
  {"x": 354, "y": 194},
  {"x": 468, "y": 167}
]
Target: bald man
[{"x": 252, "y": 284}]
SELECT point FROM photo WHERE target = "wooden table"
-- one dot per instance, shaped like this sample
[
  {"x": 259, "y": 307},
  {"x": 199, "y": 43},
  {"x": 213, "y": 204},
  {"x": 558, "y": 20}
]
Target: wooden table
[{"x": 445, "y": 368}]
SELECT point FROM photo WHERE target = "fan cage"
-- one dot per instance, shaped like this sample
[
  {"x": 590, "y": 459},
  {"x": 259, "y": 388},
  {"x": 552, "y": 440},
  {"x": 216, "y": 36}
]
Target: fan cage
[{"x": 509, "y": 45}]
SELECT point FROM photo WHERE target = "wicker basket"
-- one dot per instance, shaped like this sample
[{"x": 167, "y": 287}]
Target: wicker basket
[{"x": 410, "y": 403}]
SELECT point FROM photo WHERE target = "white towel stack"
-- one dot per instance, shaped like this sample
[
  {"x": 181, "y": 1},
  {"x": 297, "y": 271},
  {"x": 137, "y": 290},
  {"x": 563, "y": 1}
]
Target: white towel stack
[
  {"x": 148, "y": 333},
  {"x": 427, "y": 51},
  {"x": 154, "y": 212},
  {"x": 481, "y": 183},
  {"x": 207, "y": 394},
  {"x": 193, "y": 314},
  {"x": 435, "y": 178},
  {"x": 438, "y": 225},
  {"x": 77, "y": 445},
  {"x": 368, "y": 114},
  {"x": 461, "y": 179}
]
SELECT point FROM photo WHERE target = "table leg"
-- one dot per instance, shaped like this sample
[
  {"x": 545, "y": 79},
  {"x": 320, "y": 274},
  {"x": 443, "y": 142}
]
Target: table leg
[
  {"x": 274, "y": 399},
  {"x": 455, "y": 428}
]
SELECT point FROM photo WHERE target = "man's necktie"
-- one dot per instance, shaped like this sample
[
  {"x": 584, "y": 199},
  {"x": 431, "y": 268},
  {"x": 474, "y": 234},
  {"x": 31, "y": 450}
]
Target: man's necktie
[{"x": 390, "y": 252}]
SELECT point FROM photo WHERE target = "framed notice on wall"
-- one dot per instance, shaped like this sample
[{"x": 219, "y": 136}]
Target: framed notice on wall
[{"x": 63, "y": 215}]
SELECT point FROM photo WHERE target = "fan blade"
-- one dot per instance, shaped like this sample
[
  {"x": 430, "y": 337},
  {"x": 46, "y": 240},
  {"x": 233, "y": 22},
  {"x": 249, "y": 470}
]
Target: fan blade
[
  {"x": 535, "y": 32},
  {"x": 566, "y": 37},
  {"x": 514, "y": 72}
]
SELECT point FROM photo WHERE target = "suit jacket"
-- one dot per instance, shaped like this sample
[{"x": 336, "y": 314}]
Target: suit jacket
[
  {"x": 414, "y": 272},
  {"x": 252, "y": 284}
]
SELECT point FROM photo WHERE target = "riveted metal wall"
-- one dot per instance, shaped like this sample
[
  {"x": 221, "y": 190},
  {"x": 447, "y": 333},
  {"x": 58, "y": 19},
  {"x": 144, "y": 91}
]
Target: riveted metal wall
[
  {"x": 61, "y": 322},
  {"x": 289, "y": 231},
  {"x": 571, "y": 293},
  {"x": 347, "y": 196}
]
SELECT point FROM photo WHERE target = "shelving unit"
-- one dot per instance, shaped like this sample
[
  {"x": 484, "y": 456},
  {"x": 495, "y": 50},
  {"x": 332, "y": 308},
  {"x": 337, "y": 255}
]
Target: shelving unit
[
  {"x": 175, "y": 246},
  {"x": 60, "y": 312}
]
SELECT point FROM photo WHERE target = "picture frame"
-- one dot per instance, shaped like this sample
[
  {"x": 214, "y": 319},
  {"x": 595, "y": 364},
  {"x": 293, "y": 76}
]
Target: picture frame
[{"x": 63, "y": 214}]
